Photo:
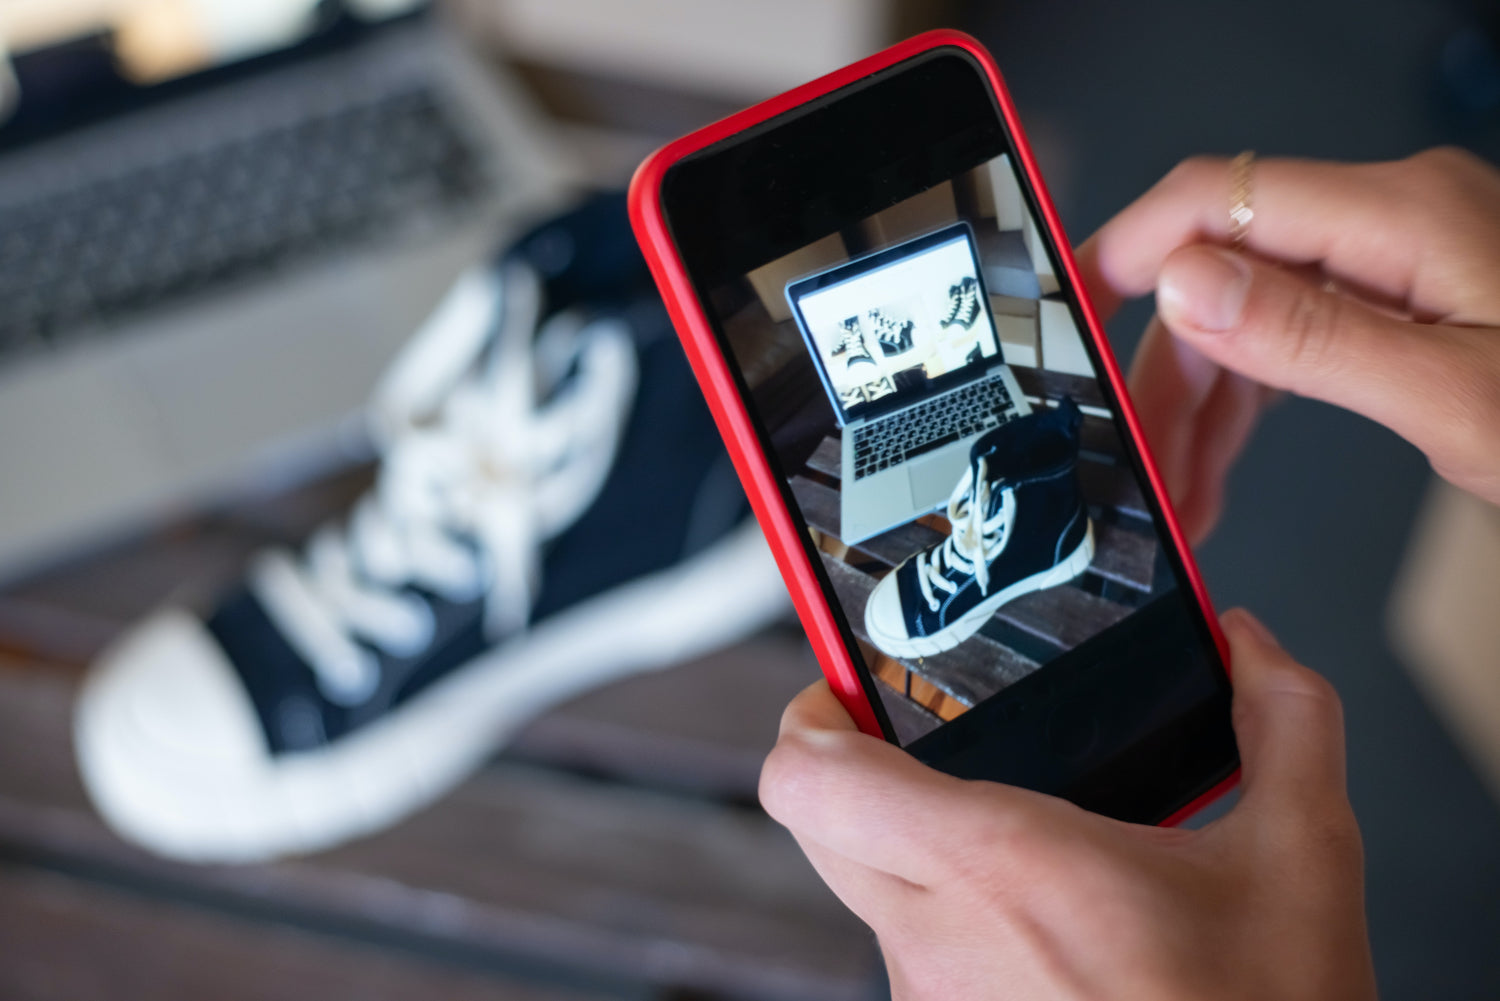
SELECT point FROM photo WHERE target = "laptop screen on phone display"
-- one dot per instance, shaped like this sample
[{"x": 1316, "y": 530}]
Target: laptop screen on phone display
[{"x": 882, "y": 327}]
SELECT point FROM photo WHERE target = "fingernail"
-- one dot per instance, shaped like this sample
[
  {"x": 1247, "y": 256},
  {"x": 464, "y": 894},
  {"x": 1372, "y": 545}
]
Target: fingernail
[{"x": 1205, "y": 289}]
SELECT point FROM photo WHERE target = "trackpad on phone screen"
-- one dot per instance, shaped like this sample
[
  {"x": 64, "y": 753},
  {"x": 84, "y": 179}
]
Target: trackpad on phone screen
[{"x": 933, "y": 477}]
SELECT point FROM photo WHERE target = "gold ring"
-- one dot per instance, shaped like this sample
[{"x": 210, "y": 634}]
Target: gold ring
[{"x": 1241, "y": 211}]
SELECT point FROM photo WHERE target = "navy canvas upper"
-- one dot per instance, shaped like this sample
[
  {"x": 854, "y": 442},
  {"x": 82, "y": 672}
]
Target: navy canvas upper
[
  {"x": 671, "y": 492},
  {"x": 1035, "y": 456}
]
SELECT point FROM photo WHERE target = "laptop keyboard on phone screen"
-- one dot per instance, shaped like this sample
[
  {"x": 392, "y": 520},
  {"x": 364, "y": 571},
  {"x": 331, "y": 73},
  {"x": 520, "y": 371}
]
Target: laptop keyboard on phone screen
[{"x": 887, "y": 442}]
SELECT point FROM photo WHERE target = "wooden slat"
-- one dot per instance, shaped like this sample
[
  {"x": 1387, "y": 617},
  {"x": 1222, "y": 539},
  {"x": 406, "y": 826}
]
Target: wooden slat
[
  {"x": 1064, "y": 616},
  {"x": 827, "y": 458},
  {"x": 1098, "y": 434},
  {"x": 190, "y": 563},
  {"x": 971, "y": 672},
  {"x": 1055, "y": 385},
  {"x": 702, "y": 727},
  {"x": 1123, "y": 556},
  {"x": 1112, "y": 487},
  {"x": 48, "y": 631},
  {"x": 820, "y": 507},
  {"x": 908, "y": 719},
  {"x": 520, "y": 861},
  {"x": 65, "y": 938},
  {"x": 819, "y": 504}
]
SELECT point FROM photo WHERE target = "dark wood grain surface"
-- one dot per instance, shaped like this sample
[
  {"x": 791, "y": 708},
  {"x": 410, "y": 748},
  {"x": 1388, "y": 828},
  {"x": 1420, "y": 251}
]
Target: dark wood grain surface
[{"x": 71, "y": 940}]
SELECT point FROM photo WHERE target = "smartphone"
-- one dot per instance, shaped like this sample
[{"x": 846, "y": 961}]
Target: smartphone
[{"x": 875, "y": 293}]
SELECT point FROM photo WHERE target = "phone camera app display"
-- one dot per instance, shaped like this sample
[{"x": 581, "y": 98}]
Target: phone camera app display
[{"x": 944, "y": 434}]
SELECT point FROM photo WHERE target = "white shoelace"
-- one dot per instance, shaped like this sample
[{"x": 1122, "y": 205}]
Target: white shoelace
[
  {"x": 475, "y": 478},
  {"x": 976, "y": 539},
  {"x": 852, "y": 340}
]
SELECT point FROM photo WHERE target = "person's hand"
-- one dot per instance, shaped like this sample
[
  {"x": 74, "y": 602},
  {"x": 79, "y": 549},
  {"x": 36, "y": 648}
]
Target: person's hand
[
  {"x": 1370, "y": 286},
  {"x": 978, "y": 890}
]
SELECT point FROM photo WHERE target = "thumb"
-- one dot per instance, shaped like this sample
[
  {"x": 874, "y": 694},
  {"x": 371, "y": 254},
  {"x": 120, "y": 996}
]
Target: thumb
[
  {"x": 1288, "y": 721},
  {"x": 1281, "y": 329},
  {"x": 874, "y": 804}
]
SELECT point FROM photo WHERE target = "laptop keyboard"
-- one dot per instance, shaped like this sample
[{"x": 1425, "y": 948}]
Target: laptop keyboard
[
  {"x": 188, "y": 224},
  {"x": 927, "y": 426}
]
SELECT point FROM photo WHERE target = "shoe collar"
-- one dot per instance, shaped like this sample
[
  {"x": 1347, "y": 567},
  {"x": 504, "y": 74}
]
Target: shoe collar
[{"x": 1034, "y": 447}]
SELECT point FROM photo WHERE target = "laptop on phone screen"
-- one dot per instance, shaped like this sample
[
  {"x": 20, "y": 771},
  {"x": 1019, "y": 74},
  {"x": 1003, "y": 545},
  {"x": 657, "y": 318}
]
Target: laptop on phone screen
[{"x": 905, "y": 346}]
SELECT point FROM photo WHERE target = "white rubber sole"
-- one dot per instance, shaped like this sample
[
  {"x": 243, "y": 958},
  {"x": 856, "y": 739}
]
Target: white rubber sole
[
  {"x": 234, "y": 803},
  {"x": 972, "y": 620}
]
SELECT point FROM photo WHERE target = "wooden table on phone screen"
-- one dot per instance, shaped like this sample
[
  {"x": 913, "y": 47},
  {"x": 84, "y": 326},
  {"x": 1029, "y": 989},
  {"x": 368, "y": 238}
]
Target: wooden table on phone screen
[{"x": 615, "y": 850}]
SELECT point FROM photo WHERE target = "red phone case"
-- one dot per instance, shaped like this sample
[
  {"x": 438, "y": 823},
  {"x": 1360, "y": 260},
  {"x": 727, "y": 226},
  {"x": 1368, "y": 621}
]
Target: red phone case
[{"x": 733, "y": 419}]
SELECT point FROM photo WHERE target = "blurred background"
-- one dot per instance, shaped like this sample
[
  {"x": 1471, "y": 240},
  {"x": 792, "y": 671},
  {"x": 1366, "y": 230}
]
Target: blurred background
[{"x": 219, "y": 220}]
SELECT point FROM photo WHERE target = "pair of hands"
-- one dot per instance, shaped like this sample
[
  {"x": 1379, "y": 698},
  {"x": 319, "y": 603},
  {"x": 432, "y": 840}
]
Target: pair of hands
[{"x": 1366, "y": 286}]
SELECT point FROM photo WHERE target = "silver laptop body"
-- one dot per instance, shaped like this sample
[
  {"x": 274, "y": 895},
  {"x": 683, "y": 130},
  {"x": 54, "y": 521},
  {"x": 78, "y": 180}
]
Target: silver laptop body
[
  {"x": 921, "y": 483},
  {"x": 258, "y": 379}
]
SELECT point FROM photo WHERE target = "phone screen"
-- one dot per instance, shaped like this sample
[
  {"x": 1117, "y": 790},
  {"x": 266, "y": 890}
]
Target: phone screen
[{"x": 913, "y": 356}]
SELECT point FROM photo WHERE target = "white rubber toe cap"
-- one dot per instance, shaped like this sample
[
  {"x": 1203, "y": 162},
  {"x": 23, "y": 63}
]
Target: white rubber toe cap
[
  {"x": 883, "y": 618},
  {"x": 168, "y": 742}
]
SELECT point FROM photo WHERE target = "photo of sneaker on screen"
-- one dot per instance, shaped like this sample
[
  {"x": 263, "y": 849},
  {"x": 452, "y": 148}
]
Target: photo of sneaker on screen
[
  {"x": 1019, "y": 525},
  {"x": 940, "y": 424}
]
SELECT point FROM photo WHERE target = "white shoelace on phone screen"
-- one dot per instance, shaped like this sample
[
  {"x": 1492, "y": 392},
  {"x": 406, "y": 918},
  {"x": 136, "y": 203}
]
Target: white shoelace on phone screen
[
  {"x": 476, "y": 475},
  {"x": 976, "y": 538}
]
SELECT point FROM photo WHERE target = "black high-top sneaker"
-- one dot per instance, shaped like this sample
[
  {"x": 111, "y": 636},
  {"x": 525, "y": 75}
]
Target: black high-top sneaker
[
  {"x": 1019, "y": 525},
  {"x": 554, "y": 510},
  {"x": 963, "y": 303},
  {"x": 851, "y": 344},
  {"x": 893, "y": 336}
]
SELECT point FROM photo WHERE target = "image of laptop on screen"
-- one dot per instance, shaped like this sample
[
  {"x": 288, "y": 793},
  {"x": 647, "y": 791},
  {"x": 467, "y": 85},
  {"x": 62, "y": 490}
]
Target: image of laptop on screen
[{"x": 905, "y": 345}]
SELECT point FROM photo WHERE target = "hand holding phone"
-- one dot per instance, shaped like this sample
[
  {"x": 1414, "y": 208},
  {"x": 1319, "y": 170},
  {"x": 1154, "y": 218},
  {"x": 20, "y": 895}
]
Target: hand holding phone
[
  {"x": 986, "y": 891},
  {"x": 879, "y": 303},
  {"x": 876, "y": 296}
]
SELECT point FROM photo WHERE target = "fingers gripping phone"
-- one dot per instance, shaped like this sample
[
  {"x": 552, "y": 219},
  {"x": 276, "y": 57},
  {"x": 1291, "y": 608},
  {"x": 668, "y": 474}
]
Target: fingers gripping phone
[{"x": 878, "y": 300}]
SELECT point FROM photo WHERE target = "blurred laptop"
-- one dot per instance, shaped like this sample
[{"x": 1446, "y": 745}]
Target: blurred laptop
[
  {"x": 905, "y": 345},
  {"x": 218, "y": 220}
]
